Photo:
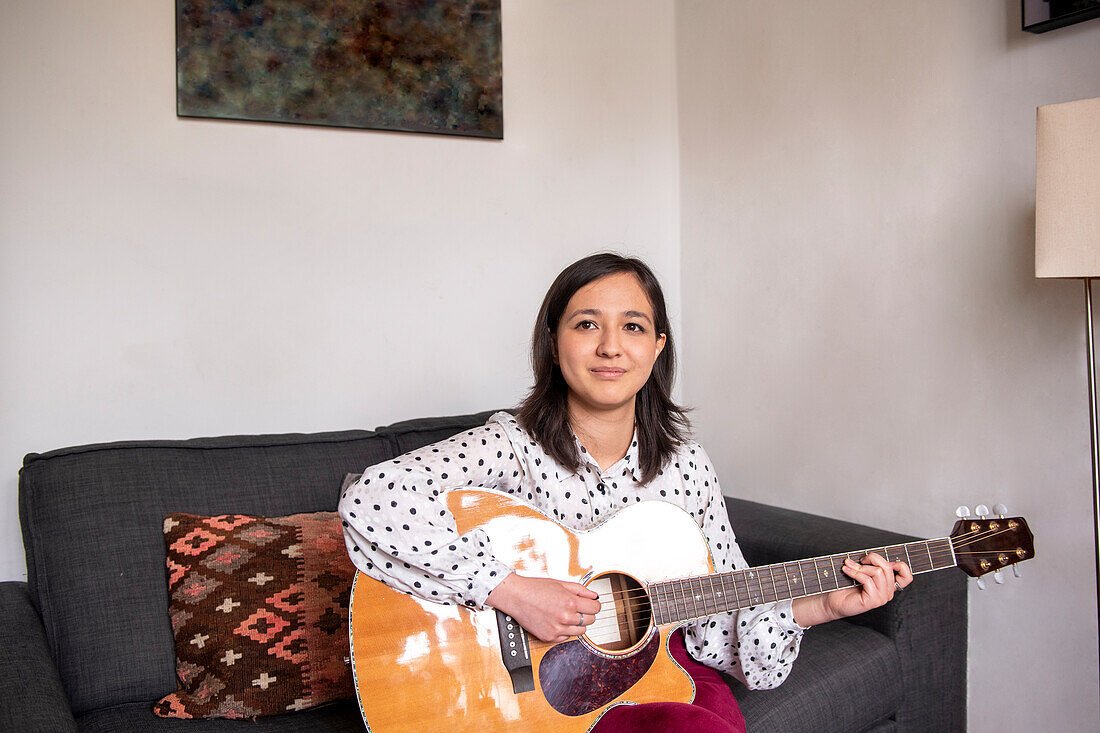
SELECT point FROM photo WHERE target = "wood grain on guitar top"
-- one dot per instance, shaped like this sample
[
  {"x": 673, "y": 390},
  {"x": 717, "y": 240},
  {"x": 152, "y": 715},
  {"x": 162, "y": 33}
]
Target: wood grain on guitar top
[{"x": 423, "y": 666}]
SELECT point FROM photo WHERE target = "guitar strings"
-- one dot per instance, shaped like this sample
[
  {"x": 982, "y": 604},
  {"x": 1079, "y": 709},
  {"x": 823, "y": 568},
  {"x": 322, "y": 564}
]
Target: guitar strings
[
  {"x": 608, "y": 616},
  {"x": 602, "y": 618}
]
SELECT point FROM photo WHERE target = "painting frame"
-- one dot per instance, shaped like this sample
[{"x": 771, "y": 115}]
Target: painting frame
[
  {"x": 1035, "y": 18},
  {"x": 419, "y": 66}
]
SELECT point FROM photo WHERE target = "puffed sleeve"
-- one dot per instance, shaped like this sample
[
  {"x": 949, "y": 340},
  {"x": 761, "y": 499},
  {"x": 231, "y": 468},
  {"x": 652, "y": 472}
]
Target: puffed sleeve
[
  {"x": 757, "y": 645},
  {"x": 397, "y": 527}
]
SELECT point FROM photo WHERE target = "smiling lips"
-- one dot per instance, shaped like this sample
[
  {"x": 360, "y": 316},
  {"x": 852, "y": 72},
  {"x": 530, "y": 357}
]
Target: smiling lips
[{"x": 608, "y": 372}]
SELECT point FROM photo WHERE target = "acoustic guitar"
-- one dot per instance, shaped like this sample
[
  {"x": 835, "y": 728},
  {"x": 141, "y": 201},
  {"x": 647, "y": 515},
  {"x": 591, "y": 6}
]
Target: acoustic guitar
[{"x": 421, "y": 665}]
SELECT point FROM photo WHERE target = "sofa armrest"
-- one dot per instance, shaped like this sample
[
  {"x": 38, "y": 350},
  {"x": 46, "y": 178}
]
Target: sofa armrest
[
  {"x": 31, "y": 698},
  {"x": 927, "y": 622}
]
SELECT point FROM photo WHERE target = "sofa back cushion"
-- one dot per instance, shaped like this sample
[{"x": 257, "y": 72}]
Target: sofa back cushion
[{"x": 92, "y": 521}]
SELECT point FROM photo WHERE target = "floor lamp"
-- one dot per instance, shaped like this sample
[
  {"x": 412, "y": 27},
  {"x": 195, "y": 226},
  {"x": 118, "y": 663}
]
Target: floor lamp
[{"x": 1067, "y": 229}]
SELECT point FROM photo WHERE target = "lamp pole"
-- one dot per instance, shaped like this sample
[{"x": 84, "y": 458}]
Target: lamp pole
[{"x": 1095, "y": 438}]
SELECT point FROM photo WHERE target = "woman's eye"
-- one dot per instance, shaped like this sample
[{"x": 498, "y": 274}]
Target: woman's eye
[
  {"x": 587, "y": 325},
  {"x": 636, "y": 327}
]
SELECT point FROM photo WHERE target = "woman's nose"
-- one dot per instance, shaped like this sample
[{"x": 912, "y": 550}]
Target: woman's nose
[{"x": 609, "y": 344}]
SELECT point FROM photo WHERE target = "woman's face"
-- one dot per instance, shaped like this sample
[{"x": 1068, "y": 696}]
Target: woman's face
[{"x": 606, "y": 343}]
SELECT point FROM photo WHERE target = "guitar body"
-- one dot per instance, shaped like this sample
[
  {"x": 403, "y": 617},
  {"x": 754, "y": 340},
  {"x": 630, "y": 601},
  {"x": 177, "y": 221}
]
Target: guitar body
[{"x": 420, "y": 665}]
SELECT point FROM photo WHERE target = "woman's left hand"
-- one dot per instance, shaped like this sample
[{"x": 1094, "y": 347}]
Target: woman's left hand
[{"x": 877, "y": 580}]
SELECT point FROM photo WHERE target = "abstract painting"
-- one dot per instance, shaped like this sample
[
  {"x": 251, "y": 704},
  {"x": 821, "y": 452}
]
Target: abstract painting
[{"x": 409, "y": 65}]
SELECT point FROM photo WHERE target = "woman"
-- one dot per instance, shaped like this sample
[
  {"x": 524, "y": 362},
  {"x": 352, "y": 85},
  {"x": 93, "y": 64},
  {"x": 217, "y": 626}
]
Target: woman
[{"x": 598, "y": 431}]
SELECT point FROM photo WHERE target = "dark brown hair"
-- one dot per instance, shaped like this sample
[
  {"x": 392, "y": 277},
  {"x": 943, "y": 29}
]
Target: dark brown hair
[{"x": 661, "y": 424}]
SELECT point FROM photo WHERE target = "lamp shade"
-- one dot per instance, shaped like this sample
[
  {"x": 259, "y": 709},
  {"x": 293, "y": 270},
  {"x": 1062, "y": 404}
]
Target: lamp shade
[{"x": 1067, "y": 189}]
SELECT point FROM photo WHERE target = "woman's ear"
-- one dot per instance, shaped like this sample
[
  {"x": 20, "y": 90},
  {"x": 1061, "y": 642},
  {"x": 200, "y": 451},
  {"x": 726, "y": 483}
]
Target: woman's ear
[{"x": 660, "y": 344}]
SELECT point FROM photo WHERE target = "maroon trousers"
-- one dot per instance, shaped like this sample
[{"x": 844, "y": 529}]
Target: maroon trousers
[{"x": 714, "y": 710}]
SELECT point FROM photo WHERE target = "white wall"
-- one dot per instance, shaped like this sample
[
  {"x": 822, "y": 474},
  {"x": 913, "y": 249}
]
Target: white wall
[
  {"x": 864, "y": 335},
  {"x": 168, "y": 278},
  {"x": 865, "y": 338}
]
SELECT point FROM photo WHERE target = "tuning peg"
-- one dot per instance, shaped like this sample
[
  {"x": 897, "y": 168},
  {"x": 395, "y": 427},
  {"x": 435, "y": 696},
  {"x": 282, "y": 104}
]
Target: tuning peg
[
  {"x": 998, "y": 577},
  {"x": 981, "y": 584},
  {"x": 962, "y": 512},
  {"x": 1000, "y": 510},
  {"x": 981, "y": 510},
  {"x": 1016, "y": 571}
]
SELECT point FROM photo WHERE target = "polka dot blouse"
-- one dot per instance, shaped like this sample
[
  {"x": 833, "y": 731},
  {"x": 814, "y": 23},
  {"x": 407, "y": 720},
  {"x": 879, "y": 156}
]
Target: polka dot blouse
[{"x": 398, "y": 530}]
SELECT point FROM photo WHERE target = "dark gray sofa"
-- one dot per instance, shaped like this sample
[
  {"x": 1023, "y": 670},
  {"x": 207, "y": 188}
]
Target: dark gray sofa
[{"x": 87, "y": 644}]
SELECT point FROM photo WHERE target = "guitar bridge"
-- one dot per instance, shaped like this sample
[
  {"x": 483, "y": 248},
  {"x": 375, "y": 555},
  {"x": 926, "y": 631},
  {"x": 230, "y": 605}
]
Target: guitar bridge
[{"x": 516, "y": 653}]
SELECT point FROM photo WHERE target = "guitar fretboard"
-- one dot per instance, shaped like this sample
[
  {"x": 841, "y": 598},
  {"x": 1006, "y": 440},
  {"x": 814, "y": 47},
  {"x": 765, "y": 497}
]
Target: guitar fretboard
[{"x": 679, "y": 600}]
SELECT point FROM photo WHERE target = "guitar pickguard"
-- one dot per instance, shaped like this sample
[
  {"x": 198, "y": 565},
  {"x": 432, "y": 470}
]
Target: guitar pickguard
[{"x": 576, "y": 680}]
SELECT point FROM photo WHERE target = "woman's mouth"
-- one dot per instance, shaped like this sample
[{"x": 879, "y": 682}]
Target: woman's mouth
[{"x": 608, "y": 372}]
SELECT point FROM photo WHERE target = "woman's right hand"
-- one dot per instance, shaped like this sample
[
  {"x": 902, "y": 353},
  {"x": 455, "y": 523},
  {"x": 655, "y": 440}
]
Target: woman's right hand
[{"x": 551, "y": 610}]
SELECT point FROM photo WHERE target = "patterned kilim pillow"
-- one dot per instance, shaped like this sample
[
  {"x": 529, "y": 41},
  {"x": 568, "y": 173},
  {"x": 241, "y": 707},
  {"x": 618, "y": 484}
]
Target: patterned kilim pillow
[{"x": 259, "y": 609}]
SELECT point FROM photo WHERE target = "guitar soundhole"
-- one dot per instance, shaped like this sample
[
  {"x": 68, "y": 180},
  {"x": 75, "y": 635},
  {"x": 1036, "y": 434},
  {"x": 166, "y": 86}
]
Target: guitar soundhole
[{"x": 625, "y": 613}]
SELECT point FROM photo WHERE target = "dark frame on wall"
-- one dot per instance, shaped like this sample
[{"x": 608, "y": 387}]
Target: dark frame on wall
[
  {"x": 430, "y": 66},
  {"x": 1040, "y": 16}
]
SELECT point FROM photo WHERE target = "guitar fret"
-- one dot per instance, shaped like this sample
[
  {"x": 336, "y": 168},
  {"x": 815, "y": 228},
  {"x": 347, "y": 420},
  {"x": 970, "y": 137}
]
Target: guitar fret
[
  {"x": 754, "y": 577},
  {"x": 708, "y": 595},
  {"x": 805, "y": 574},
  {"x": 762, "y": 583},
  {"x": 682, "y": 598},
  {"x": 690, "y": 596},
  {"x": 944, "y": 549},
  {"x": 771, "y": 577},
  {"x": 676, "y": 599},
  {"x": 922, "y": 558},
  {"x": 715, "y": 595},
  {"x": 700, "y": 597},
  {"x": 827, "y": 574},
  {"x": 787, "y": 577},
  {"x": 660, "y": 614},
  {"x": 670, "y": 600},
  {"x": 733, "y": 582},
  {"x": 746, "y": 586},
  {"x": 728, "y": 583}
]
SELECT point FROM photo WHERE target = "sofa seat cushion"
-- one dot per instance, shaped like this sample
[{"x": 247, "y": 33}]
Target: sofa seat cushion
[
  {"x": 340, "y": 716},
  {"x": 847, "y": 678}
]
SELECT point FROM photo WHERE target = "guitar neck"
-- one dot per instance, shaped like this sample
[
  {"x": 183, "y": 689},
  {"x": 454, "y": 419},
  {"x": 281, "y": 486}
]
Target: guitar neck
[{"x": 684, "y": 599}]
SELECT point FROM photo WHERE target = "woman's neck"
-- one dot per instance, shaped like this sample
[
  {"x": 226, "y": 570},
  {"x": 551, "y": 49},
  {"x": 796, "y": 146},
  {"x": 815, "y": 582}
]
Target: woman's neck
[{"x": 606, "y": 435}]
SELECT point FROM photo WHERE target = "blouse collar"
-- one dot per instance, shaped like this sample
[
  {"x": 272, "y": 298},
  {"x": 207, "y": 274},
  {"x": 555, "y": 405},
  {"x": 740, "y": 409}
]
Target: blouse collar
[{"x": 625, "y": 466}]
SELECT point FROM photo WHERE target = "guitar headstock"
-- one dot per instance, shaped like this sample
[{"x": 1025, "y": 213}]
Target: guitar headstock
[{"x": 984, "y": 545}]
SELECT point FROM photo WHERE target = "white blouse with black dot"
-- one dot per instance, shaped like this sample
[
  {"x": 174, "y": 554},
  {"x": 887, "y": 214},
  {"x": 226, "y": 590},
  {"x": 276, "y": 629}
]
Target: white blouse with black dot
[{"x": 399, "y": 531}]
